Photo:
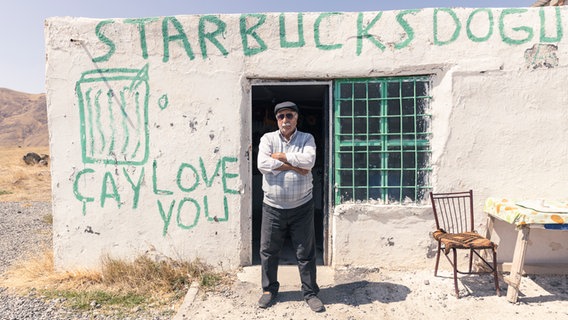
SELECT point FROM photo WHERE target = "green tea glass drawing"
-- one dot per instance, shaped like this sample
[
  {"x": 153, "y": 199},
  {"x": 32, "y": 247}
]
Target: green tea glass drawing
[{"x": 113, "y": 108}]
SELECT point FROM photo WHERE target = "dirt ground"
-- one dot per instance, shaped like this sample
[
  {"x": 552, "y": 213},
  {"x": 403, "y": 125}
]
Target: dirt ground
[{"x": 384, "y": 294}]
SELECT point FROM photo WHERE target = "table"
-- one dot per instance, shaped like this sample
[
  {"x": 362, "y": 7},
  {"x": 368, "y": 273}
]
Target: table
[{"x": 550, "y": 214}]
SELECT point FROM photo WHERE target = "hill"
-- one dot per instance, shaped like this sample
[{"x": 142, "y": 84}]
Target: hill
[{"x": 23, "y": 119}]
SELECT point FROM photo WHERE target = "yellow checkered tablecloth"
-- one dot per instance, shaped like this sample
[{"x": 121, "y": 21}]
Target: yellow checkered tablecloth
[{"x": 547, "y": 212}]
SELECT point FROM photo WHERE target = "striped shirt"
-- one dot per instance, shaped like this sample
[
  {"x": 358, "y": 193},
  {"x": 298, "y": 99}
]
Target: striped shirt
[{"x": 286, "y": 189}]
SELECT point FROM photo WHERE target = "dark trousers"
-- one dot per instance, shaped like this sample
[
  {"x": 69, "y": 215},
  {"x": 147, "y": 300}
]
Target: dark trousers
[{"x": 299, "y": 222}]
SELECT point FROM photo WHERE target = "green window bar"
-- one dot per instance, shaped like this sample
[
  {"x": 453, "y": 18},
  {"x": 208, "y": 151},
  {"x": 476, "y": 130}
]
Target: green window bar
[{"x": 382, "y": 139}]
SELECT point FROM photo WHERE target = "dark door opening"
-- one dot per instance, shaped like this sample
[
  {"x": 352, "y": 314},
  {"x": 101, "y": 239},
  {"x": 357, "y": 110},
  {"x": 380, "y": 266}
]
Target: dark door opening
[{"x": 313, "y": 101}]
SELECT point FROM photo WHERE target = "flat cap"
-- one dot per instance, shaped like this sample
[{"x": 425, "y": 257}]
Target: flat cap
[{"x": 285, "y": 105}]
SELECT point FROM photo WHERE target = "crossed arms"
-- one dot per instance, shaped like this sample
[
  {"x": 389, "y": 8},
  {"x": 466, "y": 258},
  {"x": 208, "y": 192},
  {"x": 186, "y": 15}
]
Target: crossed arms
[{"x": 270, "y": 162}]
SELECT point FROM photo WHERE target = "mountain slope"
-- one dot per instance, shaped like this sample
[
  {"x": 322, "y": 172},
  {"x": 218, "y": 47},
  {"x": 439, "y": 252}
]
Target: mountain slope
[{"x": 23, "y": 119}]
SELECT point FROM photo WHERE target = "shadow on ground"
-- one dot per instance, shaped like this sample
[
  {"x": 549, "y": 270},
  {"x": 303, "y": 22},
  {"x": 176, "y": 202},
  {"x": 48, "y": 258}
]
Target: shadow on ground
[
  {"x": 551, "y": 287},
  {"x": 355, "y": 293},
  {"x": 556, "y": 287},
  {"x": 478, "y": 285}
]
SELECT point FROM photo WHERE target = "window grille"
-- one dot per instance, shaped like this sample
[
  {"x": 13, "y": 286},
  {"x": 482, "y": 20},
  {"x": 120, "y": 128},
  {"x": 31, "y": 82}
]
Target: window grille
[{"x": 382, "y": 148}]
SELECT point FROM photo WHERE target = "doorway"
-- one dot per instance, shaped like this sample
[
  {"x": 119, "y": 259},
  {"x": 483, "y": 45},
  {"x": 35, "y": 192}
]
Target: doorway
[{"x": 313, "y": 100}]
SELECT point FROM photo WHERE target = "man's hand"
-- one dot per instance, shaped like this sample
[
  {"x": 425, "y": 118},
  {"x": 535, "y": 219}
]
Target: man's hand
[
  {"x": 301, "y": 171},
  {"x": 280, "y": 156},
  {"x": 286, "y": 167}
]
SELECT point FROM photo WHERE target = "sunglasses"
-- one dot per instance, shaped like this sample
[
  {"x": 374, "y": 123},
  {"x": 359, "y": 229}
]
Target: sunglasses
[{"x": 281, "y": 116}]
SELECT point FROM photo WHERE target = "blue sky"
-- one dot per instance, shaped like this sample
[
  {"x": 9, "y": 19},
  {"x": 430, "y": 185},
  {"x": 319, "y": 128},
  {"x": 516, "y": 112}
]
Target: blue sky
[{"x": 22, "y": 53}]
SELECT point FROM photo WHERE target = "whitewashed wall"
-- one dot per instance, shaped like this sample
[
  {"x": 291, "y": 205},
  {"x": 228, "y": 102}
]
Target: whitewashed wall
[{"x": 171, "y": 172}]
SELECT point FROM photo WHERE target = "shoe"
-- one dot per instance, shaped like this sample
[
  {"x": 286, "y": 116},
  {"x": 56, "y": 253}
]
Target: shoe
[
  {"x": 315, "y": 304},
  {"x": 266, "y": 299}
]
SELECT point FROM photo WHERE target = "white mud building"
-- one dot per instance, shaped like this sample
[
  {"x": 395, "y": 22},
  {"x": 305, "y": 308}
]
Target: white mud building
[{"x": 154, "y": 125}]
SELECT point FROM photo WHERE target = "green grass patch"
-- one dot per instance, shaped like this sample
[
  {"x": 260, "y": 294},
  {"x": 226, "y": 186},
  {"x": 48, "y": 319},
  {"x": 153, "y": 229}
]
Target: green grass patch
[
  {"x": 47, "y": 219},
  {"x": 5, "y": 192},
  {"x": 209, "y": 280},
  {"x": 86, "y": 300}
]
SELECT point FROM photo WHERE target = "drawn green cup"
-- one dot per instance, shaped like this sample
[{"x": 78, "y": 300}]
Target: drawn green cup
[{"x": 113, "y": 109}]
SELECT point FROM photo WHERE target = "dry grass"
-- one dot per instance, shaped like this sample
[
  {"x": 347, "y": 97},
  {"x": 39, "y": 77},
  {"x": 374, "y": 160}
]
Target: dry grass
[
  {"x": 37, "y": 272},
  {"x": 119, "y": 286},
  {"x": 21, "y": 182}
]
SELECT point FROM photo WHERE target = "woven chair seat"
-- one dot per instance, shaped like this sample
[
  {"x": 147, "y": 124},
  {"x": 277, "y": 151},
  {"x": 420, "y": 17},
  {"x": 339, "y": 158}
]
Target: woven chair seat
[{"x": 464, "y": 240}]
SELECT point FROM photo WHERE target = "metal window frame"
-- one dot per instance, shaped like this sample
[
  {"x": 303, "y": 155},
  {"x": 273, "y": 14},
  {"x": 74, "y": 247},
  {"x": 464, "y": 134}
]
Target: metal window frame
[{"x": 367, "y": 141}]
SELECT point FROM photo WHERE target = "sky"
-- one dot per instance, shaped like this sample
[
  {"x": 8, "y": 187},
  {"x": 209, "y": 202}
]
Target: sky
[{"x": 22, "y": 52}]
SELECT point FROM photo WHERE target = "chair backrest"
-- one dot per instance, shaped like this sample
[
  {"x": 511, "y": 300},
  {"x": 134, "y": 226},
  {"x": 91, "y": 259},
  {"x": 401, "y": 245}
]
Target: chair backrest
[{"x": 453, "y": 211}]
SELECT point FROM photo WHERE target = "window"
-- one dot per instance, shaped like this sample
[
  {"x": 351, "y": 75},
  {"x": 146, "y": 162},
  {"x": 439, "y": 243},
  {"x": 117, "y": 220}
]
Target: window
[{"x": 382, "y": 147}]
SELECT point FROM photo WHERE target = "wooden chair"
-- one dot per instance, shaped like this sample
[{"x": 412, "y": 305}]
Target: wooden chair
[{"x": 455, "y": 230}]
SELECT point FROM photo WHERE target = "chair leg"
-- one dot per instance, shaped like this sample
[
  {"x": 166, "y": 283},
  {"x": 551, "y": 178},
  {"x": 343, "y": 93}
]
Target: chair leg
[
  {"x": 470, "y": 260},
  {"x": 455, "y": 265},
  {"x": 437, "y": 260},
  {"x": 495, "y": 273}
]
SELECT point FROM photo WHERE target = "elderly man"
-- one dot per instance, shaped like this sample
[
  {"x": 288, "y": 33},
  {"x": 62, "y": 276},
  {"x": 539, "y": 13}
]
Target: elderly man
[{"x": 285, "y": 158}]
